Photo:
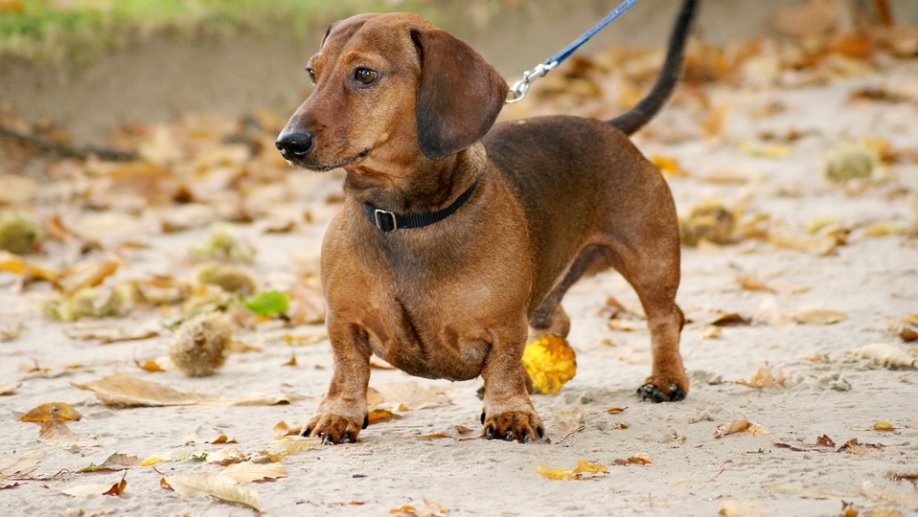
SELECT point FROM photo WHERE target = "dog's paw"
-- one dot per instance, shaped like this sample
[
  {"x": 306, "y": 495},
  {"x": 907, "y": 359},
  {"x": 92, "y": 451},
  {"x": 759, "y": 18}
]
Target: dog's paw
[
  {"x": 333, "y": 429},
  {"x": 520, "y": 426},
  {"x": 671, "y": 392}
]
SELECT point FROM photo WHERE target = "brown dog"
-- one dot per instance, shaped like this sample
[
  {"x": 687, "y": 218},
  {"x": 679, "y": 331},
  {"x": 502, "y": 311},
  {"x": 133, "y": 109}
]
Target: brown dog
[{"x": 453, "y": 239}]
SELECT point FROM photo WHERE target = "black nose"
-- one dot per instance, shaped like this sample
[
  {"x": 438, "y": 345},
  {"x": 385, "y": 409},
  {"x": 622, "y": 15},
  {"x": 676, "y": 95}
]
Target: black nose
[{"x": 295, "y": 145}]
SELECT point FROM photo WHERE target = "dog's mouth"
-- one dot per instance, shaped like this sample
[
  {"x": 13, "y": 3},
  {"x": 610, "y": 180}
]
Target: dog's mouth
[{"x": 323, "y": 167}]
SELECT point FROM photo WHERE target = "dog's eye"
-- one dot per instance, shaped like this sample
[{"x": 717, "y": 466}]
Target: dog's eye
[
  {"x": 365, "y": 75},
  {"x": 312, "y": 74}
]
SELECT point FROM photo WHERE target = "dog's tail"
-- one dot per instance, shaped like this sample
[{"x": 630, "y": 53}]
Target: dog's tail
[{"x": 635, "y": 118}]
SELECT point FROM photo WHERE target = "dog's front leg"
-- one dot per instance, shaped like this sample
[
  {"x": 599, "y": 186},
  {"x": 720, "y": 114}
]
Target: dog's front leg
[
  {"x": 343, "y": 411},
  {"x": 508, "y": 412}
]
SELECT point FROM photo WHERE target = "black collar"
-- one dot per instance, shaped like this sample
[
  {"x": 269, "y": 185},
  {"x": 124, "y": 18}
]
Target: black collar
[{"x": 389, "y": 221}]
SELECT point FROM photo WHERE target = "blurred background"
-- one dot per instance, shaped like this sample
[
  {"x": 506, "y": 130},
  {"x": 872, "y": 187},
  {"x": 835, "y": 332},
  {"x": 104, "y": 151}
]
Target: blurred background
[{"x": 91, "y": 66}]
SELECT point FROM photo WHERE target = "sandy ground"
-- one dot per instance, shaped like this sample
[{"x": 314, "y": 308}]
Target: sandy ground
[{"x": 773, "y": 468}]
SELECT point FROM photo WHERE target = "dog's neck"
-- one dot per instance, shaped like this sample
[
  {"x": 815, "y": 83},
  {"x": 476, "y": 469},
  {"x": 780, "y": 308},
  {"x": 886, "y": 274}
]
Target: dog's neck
[{"x": 425, "y": 186}]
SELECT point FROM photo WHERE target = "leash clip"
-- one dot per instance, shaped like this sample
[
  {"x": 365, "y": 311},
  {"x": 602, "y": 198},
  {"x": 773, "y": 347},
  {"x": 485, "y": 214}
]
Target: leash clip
[{"x": 519, "y": 88}]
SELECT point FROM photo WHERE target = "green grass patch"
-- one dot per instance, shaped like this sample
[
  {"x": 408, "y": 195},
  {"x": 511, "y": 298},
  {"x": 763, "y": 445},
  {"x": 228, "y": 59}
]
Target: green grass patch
[{"x": 56, "y": 30}]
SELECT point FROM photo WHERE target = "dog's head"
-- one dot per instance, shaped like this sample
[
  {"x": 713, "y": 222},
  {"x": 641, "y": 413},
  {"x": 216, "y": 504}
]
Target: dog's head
[{"x": 390, "y": 89}]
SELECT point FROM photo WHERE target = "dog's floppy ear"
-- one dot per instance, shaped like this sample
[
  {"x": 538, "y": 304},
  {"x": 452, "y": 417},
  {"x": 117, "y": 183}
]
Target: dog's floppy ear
[{"x": 459, "y": 94}]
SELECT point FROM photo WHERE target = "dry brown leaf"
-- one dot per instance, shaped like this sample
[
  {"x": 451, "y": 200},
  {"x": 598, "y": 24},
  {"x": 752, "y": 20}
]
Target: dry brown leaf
[
  {"x": 852, "y": 446},
  {"x": 740, "y": 426},
  {"x": 730, "y": 319},
  {"x": 906, "y": 328},
  {"x": 428, "y": 508},
  {"x": 752, "y": 283},
  {"x": 615, "y": 409},
  {"x": 636, "y": 459},
  {"x": 380, "y": 415},
  {"x": 819, "y": 316},
  {"x": 261, "y": 399},
  {"x": 885, "y": 354},
  {"x": 583, "y": 467},
  {"x": 823, "y": 444},
  {"x": 227, "y": 456},
  {"x": 116, "y": 461},
  {"x": 121, "y": 389},
  {"x": 88, "y": 273},
  {"x": 221, "y": 487},
  {"x": 765, "y": 378},
  {"x": 150, "y": 365},
  {"x": 97, "y": 489},
  {"x": 60, "y": 411},
  {"x": 247, "y": 472},
  {"x": 12, "y": 464},
  {"x": 283, "y": 429}
]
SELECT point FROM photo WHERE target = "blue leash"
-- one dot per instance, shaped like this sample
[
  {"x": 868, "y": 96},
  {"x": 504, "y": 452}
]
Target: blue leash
[{"x": 519, "y": 88}]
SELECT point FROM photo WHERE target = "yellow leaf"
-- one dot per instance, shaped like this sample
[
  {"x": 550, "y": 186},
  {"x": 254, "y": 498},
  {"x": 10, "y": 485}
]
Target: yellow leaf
[
  {"x": 152, "y": 460},
  {"x": 883, "y": 425},
  {"x": 60, "y": 411},
  {"x": 583, "y": 467},
  {"x": 550, "y": 362},
  {"x": 221, "y": 487},
  {"x": 667, "y": 165},
  {"x": 637, "y": 459},
  {"x": 16, "y": 265}
]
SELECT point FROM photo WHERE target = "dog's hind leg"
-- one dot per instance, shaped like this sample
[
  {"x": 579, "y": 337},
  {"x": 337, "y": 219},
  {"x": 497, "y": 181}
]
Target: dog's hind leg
[{"x": 550, "y": 317}]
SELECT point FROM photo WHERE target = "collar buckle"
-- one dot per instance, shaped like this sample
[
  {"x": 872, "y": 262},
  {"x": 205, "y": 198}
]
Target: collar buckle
[{"x": 385, "y": 220}]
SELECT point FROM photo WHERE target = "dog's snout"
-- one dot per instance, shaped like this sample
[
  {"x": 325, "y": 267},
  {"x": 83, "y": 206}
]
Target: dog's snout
[{"x": 295, "y": 145}]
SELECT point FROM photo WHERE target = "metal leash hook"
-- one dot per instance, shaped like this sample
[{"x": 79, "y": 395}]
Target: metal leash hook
[{"x": 519, "y": 88}]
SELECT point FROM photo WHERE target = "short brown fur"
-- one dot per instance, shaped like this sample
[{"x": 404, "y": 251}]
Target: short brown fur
[{"x": 554, "y": 198}]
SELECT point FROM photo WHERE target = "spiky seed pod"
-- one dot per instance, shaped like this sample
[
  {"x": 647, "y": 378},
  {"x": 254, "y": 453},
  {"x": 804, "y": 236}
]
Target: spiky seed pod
[{"x": 200, "y": 345}]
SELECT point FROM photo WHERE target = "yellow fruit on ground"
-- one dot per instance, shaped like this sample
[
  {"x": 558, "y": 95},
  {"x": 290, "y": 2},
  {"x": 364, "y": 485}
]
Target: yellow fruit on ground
[{"x": 550, "y": 362}]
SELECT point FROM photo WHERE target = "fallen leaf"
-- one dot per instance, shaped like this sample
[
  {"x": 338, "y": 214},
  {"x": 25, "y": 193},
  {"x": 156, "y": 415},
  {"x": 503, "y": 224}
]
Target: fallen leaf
[
  {"x": 883, "y": 425},
  {"x": 121, "y": 389},
  {"x": 764, "y": 378},
  {"x": 906, "y": 328},
  {"x": 29, "y": 271},
  {"x": 380, "y": 415},
  {"x": 583, "y": 467},
  {"x": 261, "y": 399},
  {"x": 283, "y": 429},
  {"x": 615, "y": 409},
  {"x": 116, "y": 461},
  {"x": 904, "y": 476},
  {"x": 221, "y": 487},
  {"x": 823, "y": 444},
  {"x": 227, "y": 456},
  {"x": 740, "y": 426},
  {"x": 550, "y": 362},
  {"x": 88, "y": 273},
  {"x": 268, "y": 303},
  {"x": 60, "y": 411},
  {"x": 12, "y": 464},
  {"x": 852, "y": 446},
  {"x": 118, "y": 488},
  {"x": 887, "y": 355},
  {"x": 637, "y": 459},
  {"x": 150, "y": 365},
  {"x": 752, "y": 283},
  {"x": 730, "y": 319},
  {"x": 222, "y": 439},
  {"x": 819, "y": 316},
  {"x": 247, "y": 471},
  {"x": 96, "y": 489},
  {"x": 429, "y": 508}
]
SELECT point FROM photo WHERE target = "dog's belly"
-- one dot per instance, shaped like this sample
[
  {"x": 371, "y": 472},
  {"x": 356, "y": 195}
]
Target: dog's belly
[{"x": 446, "y": 356}]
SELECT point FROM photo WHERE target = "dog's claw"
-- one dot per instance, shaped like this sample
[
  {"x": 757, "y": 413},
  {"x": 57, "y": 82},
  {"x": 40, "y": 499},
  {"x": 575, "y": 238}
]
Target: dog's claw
[
  {"x": 508, "y": 435},
  {"x": 482, "y": 417},
  {"x": 366, "y": 421},
  {"x": 306, "y": 432},
  {"x": 489, "y": 433},
  {"x": 653, "y": 393}
]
